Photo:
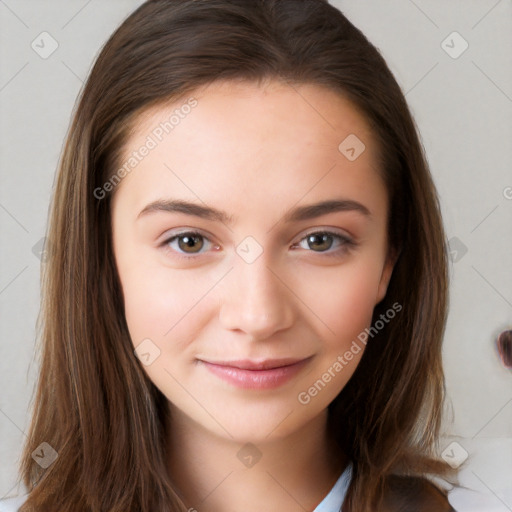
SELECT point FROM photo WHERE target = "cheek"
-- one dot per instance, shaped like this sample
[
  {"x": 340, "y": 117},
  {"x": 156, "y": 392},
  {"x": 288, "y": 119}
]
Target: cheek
[
  {"x": 345, "y": 308},
  {"x": 345, "y": 302},
  {"x": 163, "y": 304}
]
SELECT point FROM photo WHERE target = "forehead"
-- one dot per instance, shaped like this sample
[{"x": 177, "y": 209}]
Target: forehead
[
  {"x": 309, "y": 110},
  {"x": 256, "y": 141}
]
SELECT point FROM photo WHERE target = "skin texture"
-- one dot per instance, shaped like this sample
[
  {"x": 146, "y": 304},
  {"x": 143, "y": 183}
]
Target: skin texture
[{"x": 255, "y": 152}]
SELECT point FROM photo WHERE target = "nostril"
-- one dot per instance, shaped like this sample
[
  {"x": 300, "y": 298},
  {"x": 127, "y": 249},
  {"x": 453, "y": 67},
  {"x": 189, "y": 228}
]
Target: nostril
[{"x": 504, "y": 344}]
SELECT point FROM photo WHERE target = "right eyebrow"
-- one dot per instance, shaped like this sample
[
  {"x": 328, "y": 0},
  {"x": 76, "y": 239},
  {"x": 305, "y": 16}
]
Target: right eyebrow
[{"x": 188, "y": 208}]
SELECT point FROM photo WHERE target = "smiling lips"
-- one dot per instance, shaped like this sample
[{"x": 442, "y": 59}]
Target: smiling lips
[{"x": 249, "y": 374}]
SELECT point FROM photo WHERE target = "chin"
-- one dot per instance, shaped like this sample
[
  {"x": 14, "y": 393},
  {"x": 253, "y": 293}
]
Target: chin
[{"x": 264, "y": 423}]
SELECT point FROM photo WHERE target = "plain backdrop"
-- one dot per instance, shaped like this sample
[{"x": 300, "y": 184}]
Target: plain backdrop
[{"x": 453, "y": 61}]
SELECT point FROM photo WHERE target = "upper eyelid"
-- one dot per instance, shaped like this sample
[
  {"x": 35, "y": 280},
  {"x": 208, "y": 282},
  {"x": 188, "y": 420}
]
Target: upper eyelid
[{"x": 332, "y": 231}]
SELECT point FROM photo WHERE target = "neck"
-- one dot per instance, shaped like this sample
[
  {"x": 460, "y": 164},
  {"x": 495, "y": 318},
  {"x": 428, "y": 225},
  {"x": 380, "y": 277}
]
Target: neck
[{"x": 215, "y": 474}]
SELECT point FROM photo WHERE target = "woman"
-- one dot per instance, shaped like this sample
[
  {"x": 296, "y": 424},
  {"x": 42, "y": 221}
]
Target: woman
[{"x": 246, "y": 286}]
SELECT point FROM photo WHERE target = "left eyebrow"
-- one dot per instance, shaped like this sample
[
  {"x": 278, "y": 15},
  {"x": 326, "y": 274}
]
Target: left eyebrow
[
  {"x": 298, "y": 214},
  {"x": 324, "y": 207}
]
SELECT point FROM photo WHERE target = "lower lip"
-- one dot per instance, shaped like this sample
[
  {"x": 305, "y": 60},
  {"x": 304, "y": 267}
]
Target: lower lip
[{"x": 256, "y": 379}]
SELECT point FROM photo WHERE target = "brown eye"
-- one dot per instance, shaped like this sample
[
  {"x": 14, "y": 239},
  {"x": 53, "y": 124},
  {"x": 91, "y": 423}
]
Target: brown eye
[
  {"x": 189, "y": 243},
  {"x": 323, "y": 241},
  {"x": 320, "y": 241}
]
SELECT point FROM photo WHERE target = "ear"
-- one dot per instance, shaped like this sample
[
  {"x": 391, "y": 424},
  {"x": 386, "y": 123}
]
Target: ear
[{"x": 387, "y": 270}]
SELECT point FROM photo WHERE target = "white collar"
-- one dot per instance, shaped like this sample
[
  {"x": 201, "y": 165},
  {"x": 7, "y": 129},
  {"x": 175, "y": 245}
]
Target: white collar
[{"x": 333, "y": 501}]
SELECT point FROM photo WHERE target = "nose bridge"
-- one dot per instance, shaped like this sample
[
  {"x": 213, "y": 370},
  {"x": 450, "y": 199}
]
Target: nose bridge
[{"x": 255, "y": 300}]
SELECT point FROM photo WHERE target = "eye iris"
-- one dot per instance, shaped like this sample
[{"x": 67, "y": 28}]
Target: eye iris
[
  {"x": 186, "y": 242},
  {"x": 319, "y": 239}
]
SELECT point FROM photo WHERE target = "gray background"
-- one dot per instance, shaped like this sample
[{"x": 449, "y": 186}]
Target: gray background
[{"x": 463, "y": 107}]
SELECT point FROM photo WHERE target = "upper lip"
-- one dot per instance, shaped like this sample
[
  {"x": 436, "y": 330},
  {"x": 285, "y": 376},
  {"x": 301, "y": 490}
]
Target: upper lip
[{"x": 248, "y": 364}]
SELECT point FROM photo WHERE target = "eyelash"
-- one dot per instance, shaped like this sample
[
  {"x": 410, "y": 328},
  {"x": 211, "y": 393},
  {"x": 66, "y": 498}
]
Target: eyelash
[{"x": 347, "y": 244}]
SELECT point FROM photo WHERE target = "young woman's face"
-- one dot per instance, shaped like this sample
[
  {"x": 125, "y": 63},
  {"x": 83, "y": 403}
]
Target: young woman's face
[{"x": 241, "y": 307}]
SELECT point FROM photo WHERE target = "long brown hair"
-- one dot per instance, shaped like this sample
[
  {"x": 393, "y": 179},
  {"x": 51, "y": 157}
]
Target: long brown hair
[{"x": 94, "y": 404}]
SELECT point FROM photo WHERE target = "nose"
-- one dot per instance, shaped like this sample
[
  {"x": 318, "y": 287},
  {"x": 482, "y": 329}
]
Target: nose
[{"x": 256, "y": 300}]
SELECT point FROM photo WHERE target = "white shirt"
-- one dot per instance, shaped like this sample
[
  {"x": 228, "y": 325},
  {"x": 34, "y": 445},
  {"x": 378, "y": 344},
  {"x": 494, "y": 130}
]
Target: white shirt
[
  {"x": 462, "y": 500},
  {"x": 333, "y": 501}
]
